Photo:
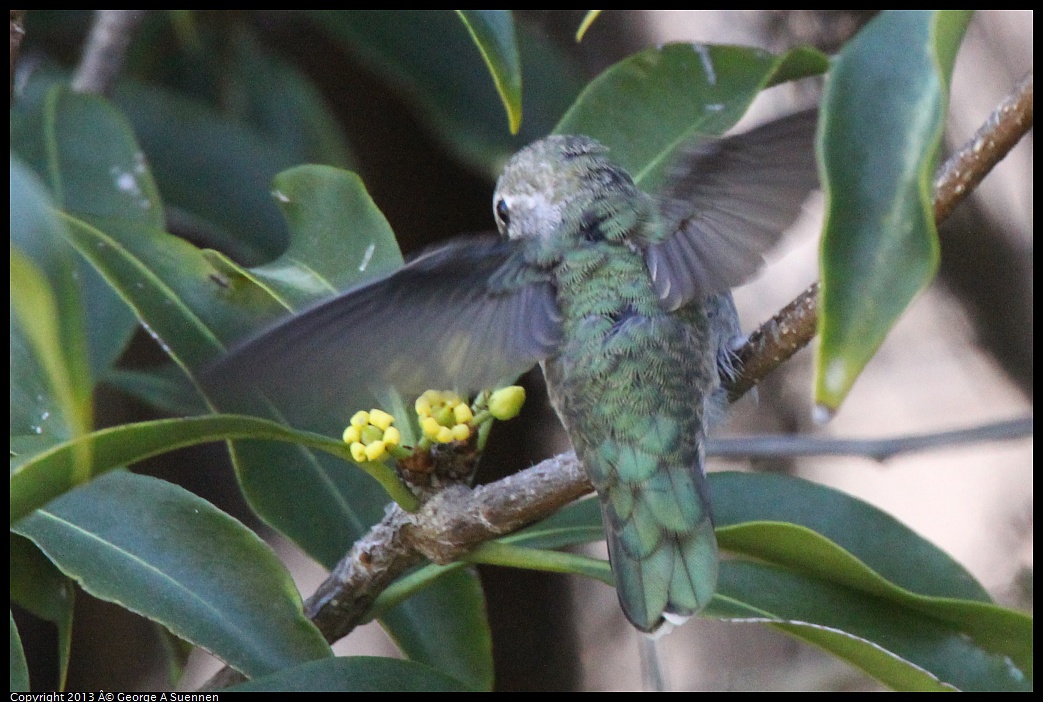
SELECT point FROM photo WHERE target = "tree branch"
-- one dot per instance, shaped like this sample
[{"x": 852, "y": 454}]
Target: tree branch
[
  {"x": 105, "y": 50},
  {"x": 459, "y": 518},
  {"x": 966, "y": 168}
]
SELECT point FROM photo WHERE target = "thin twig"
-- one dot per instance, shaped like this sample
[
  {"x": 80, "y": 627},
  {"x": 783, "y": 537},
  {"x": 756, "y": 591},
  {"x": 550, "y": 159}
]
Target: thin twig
[
  {"x": 876, "y": 449},
  {"x": 964, "y": 170},
  {"x": 459, "y": 519},
  {"x": 105, "y": 50}
]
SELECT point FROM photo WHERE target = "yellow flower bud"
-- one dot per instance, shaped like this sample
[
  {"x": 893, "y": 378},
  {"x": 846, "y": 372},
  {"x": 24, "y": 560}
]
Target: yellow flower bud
[
  {"x": 461, "y": 432},
  {"x": 423, "y": 406},
  {"x": 360, "y": 418},
  {"x": 444, "y": 435},
  {"x": 392, "y": 436},
  {"x": 381, "y": 419},
  {"x": 463, "y": 414},
  {"x": 375, "y": 450},
  {"x": 352, "y": 434},
  {"x": 430, "y": 426},
  {"x": 358, "y": 452},
  {"x": 506, "y": 403}
]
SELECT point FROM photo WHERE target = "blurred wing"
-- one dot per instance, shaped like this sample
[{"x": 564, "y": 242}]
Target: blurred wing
[
  {"x": 727, "y": 202},
  {"x": 465, "y": 316}
]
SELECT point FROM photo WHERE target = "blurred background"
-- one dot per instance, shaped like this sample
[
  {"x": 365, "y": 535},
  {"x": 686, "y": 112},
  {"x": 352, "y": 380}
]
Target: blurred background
[{"x": 960, "y": 357}]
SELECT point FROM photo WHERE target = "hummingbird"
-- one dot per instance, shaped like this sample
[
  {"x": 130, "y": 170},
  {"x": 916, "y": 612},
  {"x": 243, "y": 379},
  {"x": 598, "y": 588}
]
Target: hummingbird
[{"x": 623, "y": 296}]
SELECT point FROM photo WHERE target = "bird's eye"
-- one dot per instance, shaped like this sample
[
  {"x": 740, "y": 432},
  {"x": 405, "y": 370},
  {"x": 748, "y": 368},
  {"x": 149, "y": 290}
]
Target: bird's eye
[{"x": 503, "y": 214}]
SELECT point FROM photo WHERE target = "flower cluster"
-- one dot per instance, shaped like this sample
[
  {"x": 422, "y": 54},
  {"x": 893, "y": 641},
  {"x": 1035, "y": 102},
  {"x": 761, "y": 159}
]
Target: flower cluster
[
  {"x": 370, "y": 434},
  {"x": 444, "y": 417}
]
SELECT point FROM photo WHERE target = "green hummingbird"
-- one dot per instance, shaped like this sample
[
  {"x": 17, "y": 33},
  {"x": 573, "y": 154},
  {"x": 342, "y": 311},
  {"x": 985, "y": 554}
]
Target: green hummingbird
[{"x": 624, "y": 298}]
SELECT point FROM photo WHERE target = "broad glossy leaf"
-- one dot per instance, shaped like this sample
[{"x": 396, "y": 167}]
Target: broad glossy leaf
[
  {"x": 41, "y": 589},
  {"x": 165, "y": 388},
  {"x": 266, "y": 91},
  {"x": 194, "y": 307},
  {"x": 159, "y": 550},
  {"x": 880, "y": 133},
  {"x": 196, "y": 302},
  {"x": 112, "y": 324},
  {"x": 35, "y": 421},
  {"x": 493, "y": 34},
  {"x": 903, "y": 648},
  {"x": 356, "y": 674},
  {"x": 841, "y": 574},
  {"x": 339, "y": 237},
  {"x": 19, "y": 669},
  {"x": 431, "y": 57},
  {"x": 47, "y": 309},
  {"x": 40, "y": 478},
  {"x": 646, "y": 106},
  {"x": 445, "y": 626},
  {"x": 890, "y": 548},
  {"x": 214, "y": 172}
]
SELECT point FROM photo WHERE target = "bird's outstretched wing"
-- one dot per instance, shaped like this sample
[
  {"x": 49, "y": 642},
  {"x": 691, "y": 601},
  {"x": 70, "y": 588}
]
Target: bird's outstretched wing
[
  {"x": 726, "y": 202},
  {"x": 466, "y": 315}
]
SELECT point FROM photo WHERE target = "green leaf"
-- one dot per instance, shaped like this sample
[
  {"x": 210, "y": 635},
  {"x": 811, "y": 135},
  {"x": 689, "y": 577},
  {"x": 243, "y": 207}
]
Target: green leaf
[
  {"x": 870, "y": 553},
  {"x": 215, "y": 149},
  {"x": 19, "y": 668},
  {"x": 588, "y": 19},
  {"x": 327, "y": 210},
  {"x": 445, "y": 626},
  {"x": 214, "y": 172},
  {"x": 649, "y": 104},
  {"x": 47, "y": 475},
  {"x": 165, "y": 388},
  {"x": 32, "y": 129},
  {"x": 46, "y": 305},
  {"x": 877, "y": 539},
  {"x": 195, "y": 303},
  {"x": 267, "y": 92},
  {"x": 493, "y": 34},
  {"x": 430, "y": 57},
  {"x": 579, "y": 523},
  {"x": 903, "y": 649},
  {"x": 35, "y": 306},
  {"x": 168, "y": 555},
  {"x": 880, "y": 133},
  {"x": 356, "y": 674},
  {"x": 40, "y": 589},
  {"x": 838, "y": 573},
  {"x": 36, "y": 422}
]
